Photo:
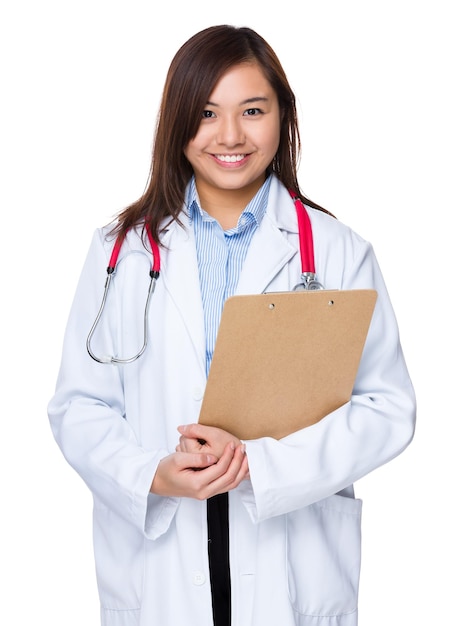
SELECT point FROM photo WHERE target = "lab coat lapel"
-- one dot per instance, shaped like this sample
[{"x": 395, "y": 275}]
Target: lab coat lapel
[
  {"x": 268, "y": 253},
  {"x": 272, "y": 246},
  {"x": 181, "y": 279}
]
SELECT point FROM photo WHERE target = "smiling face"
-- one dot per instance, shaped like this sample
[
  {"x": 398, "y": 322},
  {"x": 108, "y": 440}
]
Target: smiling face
[{"x": 237, "y": 139}]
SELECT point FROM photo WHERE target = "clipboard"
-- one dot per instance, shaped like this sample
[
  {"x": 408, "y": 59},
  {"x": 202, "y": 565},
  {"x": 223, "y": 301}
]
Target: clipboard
[{"x": 283, "y": 361}]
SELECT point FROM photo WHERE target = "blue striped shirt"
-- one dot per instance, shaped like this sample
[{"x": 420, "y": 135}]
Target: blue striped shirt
[{"x": 220, "y": 255}]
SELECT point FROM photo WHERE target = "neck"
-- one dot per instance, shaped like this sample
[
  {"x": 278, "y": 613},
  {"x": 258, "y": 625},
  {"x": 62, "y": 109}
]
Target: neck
[{"x": 226, "y": 205}]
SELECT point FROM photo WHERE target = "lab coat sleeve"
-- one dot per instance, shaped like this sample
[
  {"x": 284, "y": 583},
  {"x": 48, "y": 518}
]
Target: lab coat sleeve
[
  {"x": 370, "y": 430},
  {"x": 87, "y": 415}
]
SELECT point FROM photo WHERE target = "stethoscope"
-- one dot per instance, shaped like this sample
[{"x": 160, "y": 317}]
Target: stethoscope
[{"x": 309, "y": 281}]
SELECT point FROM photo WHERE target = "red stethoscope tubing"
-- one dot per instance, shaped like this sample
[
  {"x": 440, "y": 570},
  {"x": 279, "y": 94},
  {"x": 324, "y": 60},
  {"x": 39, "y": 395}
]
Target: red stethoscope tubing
[
  {"x": 304, "y": 231},
  {"x": 306, "y": 236},
  {"x": 155, "y": 269}
]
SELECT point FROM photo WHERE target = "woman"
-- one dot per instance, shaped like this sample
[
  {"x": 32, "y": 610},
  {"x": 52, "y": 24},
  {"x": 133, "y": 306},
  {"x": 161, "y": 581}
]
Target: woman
[{"x": 267, "y": 531}]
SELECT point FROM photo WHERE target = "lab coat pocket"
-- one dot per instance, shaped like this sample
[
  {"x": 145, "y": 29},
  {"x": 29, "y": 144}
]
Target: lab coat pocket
[{"x": 323, "y": 557}]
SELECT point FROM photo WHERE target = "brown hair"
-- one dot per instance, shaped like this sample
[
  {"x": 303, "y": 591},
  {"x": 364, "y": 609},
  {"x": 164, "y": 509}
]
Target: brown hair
[{"x": 193, "y": 73}]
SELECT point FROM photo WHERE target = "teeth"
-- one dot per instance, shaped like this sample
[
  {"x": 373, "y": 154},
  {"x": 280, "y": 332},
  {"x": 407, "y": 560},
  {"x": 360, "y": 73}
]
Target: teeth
[{"x": 230, "y": 158}]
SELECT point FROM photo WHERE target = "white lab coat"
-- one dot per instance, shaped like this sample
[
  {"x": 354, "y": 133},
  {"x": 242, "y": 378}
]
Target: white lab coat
[{"x": 295, "y": 526}]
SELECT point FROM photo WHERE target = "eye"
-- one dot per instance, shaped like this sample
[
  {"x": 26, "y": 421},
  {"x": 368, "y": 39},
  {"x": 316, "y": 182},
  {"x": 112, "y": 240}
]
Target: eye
[
  {"x": 207, "y": 114},
  {"x": 253, "y": 112}
]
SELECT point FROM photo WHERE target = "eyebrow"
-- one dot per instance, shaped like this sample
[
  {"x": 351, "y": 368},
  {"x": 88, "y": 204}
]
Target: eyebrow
[{"x": 247, "y": 101}]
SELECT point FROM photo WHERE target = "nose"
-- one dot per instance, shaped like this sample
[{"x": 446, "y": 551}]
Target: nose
[{"x": 230, "y": 132}]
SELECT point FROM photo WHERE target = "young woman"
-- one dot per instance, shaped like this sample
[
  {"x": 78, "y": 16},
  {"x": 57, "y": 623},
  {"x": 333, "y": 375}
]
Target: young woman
[{"x": 192, "y": 525}]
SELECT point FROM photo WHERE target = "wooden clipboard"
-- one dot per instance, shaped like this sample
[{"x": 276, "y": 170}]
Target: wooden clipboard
[{"x": 283, "y": 361}]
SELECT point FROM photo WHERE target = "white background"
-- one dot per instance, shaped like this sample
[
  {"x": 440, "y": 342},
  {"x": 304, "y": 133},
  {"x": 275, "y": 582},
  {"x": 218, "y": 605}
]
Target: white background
[{"x": 385, "y": 91}]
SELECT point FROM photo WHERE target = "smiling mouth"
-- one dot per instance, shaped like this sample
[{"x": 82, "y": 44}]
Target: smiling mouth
[{"x": 230, "y": 158}]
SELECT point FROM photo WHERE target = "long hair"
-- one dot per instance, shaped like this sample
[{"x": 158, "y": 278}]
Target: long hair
[{"x": 193, "y": 73}]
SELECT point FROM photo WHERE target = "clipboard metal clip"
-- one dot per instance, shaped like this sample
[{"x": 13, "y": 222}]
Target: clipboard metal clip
[{"x": 310, "y": 283}]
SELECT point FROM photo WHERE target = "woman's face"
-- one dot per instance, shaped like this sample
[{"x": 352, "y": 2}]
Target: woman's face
[{"x": 238, "y": 135}]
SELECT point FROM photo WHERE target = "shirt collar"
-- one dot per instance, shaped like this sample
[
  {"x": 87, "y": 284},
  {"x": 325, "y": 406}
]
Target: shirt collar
[{"x": 255, "y": 209}]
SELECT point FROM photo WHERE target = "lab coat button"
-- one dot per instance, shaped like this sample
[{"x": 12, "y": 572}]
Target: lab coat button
[
  {"x": 197, "y": 393},
  {"x": 199, "y": 578}
]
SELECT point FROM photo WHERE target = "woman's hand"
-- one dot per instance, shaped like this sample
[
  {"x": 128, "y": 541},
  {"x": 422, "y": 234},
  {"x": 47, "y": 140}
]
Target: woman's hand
[
  {"x": 200, "y": 438},
  {"x": 200, "y": 474}
]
